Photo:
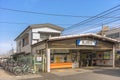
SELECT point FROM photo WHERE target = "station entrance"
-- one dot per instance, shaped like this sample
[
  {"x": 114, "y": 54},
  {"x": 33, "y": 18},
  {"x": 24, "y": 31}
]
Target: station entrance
[
  {"x": 86, "y": 59},
  {"x": 80, "y": 58}
]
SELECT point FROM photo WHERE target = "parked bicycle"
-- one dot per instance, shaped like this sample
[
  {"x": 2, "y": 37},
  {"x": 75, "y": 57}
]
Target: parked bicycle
[{"x": 17, "y": 68}]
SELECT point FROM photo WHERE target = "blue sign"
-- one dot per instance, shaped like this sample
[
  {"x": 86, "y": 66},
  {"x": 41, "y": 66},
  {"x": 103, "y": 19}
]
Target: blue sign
[
  {"x": 77, "y": 42},
  {"x": 86, "y": 42}
]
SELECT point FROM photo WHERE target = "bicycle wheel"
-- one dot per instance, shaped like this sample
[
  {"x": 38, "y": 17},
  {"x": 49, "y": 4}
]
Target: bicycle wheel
[{"x": 18, "y": 71}]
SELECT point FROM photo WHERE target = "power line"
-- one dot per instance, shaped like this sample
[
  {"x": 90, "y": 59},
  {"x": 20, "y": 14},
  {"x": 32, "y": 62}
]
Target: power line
[
  {"x": 96, "y": 17},
  {"x": 13, "y": 22},
  {"x": 95, "y": 21},
  {"x": 51, "y": 14},
  {"x": 86, "y": 30},
  {"x": 89, "y": 27},
  {"x": 27, "y": 23},
  {"x": 102, "y": 18}
]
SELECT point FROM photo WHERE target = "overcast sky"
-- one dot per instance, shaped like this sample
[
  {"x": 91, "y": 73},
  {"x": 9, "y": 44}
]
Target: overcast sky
[{"x": 9, "y": 32}]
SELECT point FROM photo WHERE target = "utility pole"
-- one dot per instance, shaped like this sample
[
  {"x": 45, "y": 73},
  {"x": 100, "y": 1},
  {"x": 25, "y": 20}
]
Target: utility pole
[
  {"x": 12, "y": 49},
  {"x": 104, "y": 29}
]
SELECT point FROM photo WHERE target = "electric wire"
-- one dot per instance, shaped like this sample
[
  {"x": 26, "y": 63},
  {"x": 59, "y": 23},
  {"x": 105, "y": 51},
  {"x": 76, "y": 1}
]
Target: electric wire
[
  {"x": 52, "y": 14},
  {"x": 95, "y": 17},
  {"x": 8, "y": 22},
  {"x": 94, "y": 20},
  {"x": 105, "y": 17}
]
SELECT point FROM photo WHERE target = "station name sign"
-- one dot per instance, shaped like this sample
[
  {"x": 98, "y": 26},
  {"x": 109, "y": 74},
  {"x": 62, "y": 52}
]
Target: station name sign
[{"x": 86, "y": 42}]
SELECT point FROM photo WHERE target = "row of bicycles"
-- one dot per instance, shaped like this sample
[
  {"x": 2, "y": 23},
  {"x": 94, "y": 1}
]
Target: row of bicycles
[{"x": 16, "y": 67}]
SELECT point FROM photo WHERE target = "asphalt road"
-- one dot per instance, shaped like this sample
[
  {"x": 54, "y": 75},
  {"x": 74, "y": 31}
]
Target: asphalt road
[
  {"x": 97, "y": 74},
  {"x": 75, "y": 74}
]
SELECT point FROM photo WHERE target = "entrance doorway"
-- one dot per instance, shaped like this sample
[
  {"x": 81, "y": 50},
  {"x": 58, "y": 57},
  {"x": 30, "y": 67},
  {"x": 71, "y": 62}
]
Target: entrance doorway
[{"x": 86, "y": 59}]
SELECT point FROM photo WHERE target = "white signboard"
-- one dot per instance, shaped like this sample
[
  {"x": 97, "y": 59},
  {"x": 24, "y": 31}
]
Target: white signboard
[
  {"x": 86, "y": 42},
  {"x": 39, "y": 59},
  {"x": 36, "y": 36}
]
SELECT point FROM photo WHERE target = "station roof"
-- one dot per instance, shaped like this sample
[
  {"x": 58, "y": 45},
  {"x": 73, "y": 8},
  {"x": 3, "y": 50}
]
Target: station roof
[
  {"x": 95, "y": 36},
  {"x": 84, "y": 35}
]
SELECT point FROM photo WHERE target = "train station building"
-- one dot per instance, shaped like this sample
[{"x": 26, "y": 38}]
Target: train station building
[{"x": 74, "y": 51}]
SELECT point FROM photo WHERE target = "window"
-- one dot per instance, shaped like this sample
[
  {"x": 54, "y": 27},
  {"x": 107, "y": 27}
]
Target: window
[
  {"x": 106, "y": 55},
  {"x": 25, "y": 41},
  {"x": 44, "y": 36}
]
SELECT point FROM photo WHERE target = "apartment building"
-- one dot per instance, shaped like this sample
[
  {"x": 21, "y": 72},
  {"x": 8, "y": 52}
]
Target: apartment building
[
  {"x": 115, "y": 34},
  {"x": 111, "y": 33},
  {"x": 35, "y": 33}
]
